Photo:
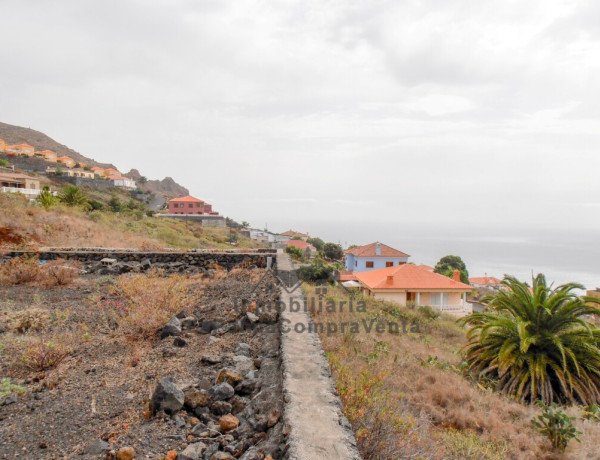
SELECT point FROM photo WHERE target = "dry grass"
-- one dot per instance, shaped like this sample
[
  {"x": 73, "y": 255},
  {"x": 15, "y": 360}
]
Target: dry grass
[
  {"x": 148, "y": 302},
  {"x": 28, "y": 271},
  {"x": 23, "y": 224},
  {"x": 406, "y": 396}
]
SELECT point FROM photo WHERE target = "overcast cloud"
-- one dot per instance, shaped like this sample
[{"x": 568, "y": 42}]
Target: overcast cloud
[{"x": 414, "y": 116}]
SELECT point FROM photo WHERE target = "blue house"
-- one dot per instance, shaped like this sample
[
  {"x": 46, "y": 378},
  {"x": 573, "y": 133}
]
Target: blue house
[{"x": 373, "y": 256}]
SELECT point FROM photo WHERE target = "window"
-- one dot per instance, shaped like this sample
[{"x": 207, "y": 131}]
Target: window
[
  {"x": 369, "y": 264},
  {"x": 191, "y": 205},
  {"x": 197, "y": 205},
  {"x": 438, "y": 299},
  {"x": 389, "y": 264}
]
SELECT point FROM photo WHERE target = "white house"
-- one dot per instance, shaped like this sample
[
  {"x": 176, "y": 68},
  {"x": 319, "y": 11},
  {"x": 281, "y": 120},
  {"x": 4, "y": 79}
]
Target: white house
[{"x": 123, "y": 182}]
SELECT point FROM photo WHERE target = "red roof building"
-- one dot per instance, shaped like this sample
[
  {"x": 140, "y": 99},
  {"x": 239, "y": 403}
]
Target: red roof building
[
  {"x": 301, "y": 245},
  {"x": 410, "y": 285},
  {"x": 190, "y": 205},
  {"x": 485, "y": 281}
]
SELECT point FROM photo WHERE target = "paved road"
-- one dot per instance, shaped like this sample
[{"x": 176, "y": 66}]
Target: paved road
[{"x": 313, "y": 410}]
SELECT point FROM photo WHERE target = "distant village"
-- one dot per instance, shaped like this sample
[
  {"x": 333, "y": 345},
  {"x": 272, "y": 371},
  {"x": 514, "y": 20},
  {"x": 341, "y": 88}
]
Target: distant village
[
  {"x": 30, "y": 186},
  {"x": 66, "y": 169},
  {"x": 383, "y": 272}
]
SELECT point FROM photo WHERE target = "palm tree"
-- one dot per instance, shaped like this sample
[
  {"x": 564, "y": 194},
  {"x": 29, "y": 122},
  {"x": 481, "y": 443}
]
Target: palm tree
[
  {"x": 537, "y": 343},
  {"x": 73, "y": 196}
]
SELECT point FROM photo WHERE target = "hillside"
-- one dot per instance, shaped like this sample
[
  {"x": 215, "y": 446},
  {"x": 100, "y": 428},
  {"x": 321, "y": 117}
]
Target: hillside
[
  {"x": 17, "y": 134},
  {"x": 25, "y": 225},
  {"x": 406, "y": 395},
  {"x": 167, "y": 186}
]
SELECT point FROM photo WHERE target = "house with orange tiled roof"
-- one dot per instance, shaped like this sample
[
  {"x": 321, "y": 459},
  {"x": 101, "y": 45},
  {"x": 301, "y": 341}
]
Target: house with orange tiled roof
[
  {"x": 190, "y": 205},
  {"x": 408, "y": 284},
  {"x": 2, "y": 145},
  {"x": 67, "y": 161},
  {"x": 98, "y": 171},
  {"x": 48, "y": 155},
  {"x": 111, "y": 172},
  {"x": 308, "y": 249},
  {"x": 20, "y": 149},
  {"x": 486, "y": 282},
  {"x": 373, "y": 256},
  {"x": 292, "y": 234}
]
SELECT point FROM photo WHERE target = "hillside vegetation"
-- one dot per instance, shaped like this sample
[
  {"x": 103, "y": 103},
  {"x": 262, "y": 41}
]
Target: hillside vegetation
[
  {"x": 408, "y": 395},
  {"x": 27, "y": 225}
]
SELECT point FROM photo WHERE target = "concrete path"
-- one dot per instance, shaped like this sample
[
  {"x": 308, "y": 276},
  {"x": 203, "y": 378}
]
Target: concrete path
[{"x": 318, "y": 429}]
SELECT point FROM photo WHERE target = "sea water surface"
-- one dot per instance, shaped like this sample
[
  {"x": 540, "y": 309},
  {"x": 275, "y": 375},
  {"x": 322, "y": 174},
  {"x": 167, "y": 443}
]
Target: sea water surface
[{"x": 562, "y": 255}]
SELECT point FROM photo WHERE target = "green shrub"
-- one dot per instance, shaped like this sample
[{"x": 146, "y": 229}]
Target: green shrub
[
  {"x": 7, "y": 389},
  {"x": 45, "y": 199},
  {"x": 556, "y": 425},
  {"x": 295, "y": 252},
  {"x": 315, "y": 272},
  {"x": 592, "y": 413}
]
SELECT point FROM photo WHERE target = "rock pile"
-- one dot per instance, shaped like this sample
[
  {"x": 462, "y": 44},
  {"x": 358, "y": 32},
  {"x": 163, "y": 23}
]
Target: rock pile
[{"x": 234, "y": 410}]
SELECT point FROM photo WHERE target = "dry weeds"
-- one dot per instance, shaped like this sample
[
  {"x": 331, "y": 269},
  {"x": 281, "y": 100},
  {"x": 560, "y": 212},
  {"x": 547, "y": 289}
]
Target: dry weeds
[{"x": 406, "y": 396}]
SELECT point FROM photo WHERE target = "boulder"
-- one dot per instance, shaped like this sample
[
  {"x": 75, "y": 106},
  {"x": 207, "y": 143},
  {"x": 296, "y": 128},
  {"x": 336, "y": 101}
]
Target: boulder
[
  {"x": 211, "y": 359},
  {"x": 188, "y": 322},
  {"x": 247, "y": 386},
  {"x": 179, "y": 342},
  {"x": 167, "y": 397},
  {"x": 97, "y": 447},
  {"x": 230, "y": 376},
  {"x": 242, "y": 349},
  {"x": 192, "y": 452},
  {"x": 221, "y": 456},
  {"x": 207, "y": 326},
  {"x": 173, "y": 327},
  {"x": 228, "y": 422},
  {"x": 126, "y": 453},
  {"x": 243, "y": 364},
  {"x": 221, "y": 392},
  {"x": 196, "y": 398},
  {"x": 221, "y": 408}
]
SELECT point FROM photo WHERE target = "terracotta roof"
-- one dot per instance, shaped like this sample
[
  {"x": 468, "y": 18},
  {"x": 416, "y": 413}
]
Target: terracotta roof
[
  {"x": 65, "y": 158},
  {"x": 347, "y": 275},
  {"x": 187, "y": 199},
  {"x": 408, "y": 276},
  {"x": 300, "y": 244},
  {"x": 22, "y": 145},
  {"x": 485, "y": 280},
  {"x": 292, "y": 233},
  {"x": 16, "y": 176},
  {"x": 368, "y": 250},
  {"x": 116, "y": 177},
  {"x": 425, "y": 267}
]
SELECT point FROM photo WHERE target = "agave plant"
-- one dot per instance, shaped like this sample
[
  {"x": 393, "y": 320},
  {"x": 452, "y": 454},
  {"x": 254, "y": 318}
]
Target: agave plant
[{"x": 537, "y": 342}]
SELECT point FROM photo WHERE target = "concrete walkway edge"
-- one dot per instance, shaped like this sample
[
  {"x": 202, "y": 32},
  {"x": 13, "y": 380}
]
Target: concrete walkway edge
[{"x": 313, "y": 410}]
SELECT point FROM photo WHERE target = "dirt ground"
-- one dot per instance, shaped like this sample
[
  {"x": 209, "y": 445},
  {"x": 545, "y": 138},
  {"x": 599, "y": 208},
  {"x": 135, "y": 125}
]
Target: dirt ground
[{"x": 101, "y": 390}]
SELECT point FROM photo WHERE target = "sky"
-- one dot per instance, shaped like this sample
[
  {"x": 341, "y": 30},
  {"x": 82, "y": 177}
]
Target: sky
[{"x": 433, "y": 126}]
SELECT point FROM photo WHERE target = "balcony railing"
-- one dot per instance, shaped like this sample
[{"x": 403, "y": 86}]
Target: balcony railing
[
  {"x": 31, "y": 192},
  {"x": 462, "y": 309}
]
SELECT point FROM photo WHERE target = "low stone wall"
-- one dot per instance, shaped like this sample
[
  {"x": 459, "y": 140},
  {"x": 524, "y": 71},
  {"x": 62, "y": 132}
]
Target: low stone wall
[
  {"x": 206, "y": 220},
  {"x": 226, "y": 260},
  {"x": 85, "y": 181}
]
